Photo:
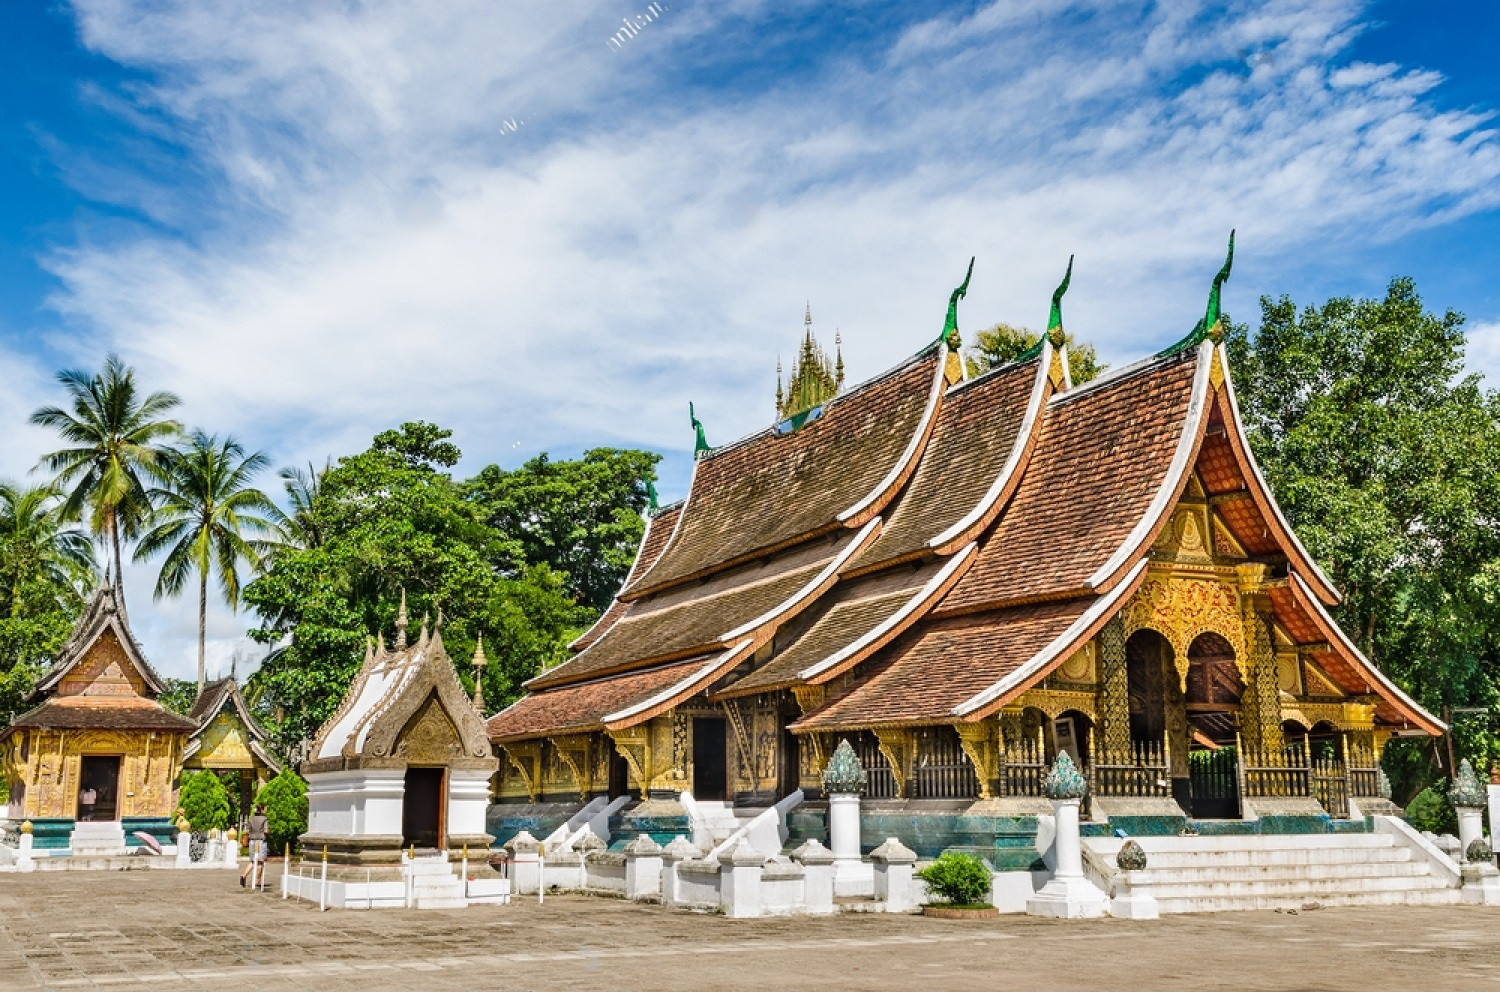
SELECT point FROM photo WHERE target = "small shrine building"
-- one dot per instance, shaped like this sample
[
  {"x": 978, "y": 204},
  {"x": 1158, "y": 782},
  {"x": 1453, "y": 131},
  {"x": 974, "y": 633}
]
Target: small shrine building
[
  {"x": 229, "y": 739},
  {"x": 403, "y": 762},
  {"x": 965, "y": 575},
  {"x": 97, "y": 733}
]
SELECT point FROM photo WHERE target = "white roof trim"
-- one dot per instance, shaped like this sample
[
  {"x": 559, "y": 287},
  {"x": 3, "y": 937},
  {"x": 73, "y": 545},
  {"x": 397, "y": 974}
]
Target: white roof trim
[
  {"x": 1175, "y": 472},
  {"x": 912, "y": 446},
  {"x": 632, "y": 580},
  {"x": 1260, "y": 479},
  {"x": 1023, "y": 435},
  {"x": 829, "y": 570},
  {"x": 880, "y": 630},
  {"x": 1059, "y": 644},
  {"x": 1376, "y": 674},
  {"x": 703, "y": 672}
]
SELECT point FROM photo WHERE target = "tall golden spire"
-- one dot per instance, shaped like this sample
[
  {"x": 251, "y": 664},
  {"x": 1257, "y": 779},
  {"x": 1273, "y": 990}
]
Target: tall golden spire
[{"x": 815, "y": 378}]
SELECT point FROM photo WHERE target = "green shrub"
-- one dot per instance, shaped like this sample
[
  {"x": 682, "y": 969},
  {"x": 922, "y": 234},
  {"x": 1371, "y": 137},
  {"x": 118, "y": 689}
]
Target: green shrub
[
  {"x": 1431, "y": 811},
  {"x": 204, "y": 801},
  {"x": 959, "y": 879},
  {"x": 285, "y": 799}
]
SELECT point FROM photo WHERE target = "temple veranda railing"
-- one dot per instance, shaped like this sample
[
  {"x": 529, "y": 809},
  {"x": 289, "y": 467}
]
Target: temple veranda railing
[
  {"x": 1295, "y": 771},
  {"x": 1141, "y": 771},
  {"x": 943, "y": 770}
]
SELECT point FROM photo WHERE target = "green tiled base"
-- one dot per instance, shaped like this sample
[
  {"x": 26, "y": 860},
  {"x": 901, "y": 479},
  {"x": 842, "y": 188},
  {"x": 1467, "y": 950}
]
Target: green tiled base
[
  {"x": 1148, "y": 826},
  {"x": 159, "y": 827},
  {"x": 51, "y": 834},
  {"x": 504, "y": 820},
  {"x": 624, "y": 829}
]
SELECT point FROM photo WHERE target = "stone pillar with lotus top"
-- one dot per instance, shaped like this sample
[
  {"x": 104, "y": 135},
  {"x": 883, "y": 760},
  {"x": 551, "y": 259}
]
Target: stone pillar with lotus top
[
  {"x": 1068, "y": 893},
  {"x": 843, "y": 783}
]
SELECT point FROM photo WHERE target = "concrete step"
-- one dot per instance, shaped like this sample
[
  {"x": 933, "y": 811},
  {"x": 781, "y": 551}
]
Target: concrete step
[
  {"x": 1420, "y": 897},
  {"x": 1300, "y": 888},
  {"x": 1278, "y": 857},
  {"x": 1263, "y": 842},
  {"x": 1260, "y": 873}
]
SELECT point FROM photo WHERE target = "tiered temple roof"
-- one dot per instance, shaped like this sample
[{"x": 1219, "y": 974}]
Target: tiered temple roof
[{"x": 929, "y": 546}]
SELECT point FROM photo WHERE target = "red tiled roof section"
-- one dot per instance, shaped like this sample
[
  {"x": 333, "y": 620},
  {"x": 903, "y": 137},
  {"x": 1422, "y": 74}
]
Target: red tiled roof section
[
  {"x": 103, "y": 713},
  {"x": 946, "y": 663},
  {"x": 976, "y": 429},
  {"x": 1298, "y": 625},
  {"x": 776, "y": 489},
  {"x": 850, "y": 613},
  {"x": 658, "y": 531},
  {"x": 682, "y": 621},
  {"x": 1099, "y": 462},
  {"x": 584, "y": 706}
]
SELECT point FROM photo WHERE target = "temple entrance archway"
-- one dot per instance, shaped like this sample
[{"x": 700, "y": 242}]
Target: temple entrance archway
[
  {"x": 99, "y": 780},
  {"x": 422, "y": 807},
  {"x": 1214, "y": 688},
  {"x": 710, "y": 758},
  {"x": 1148, "y": 658}
]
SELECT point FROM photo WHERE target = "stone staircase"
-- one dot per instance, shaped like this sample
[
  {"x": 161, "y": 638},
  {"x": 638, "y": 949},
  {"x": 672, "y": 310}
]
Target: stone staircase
[
  {"x": 98, "y": 838},
  {"x": 434, "y": 885},
  {"x": 722, "y": 819},
  {"x": 1204, "y": 874}
]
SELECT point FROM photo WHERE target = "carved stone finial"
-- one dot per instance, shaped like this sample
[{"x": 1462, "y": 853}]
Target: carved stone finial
[
  {"x": 422, "y": 636},
  {"x": 479, "y": 661},
  {"x": 1132, "y": 857},
  {"x": 844, "y": 774},
  {"x": 1479, "y": 852},
  {"x": 1466, "y": 790},
  {"x": 401, "y": 622},
  {"x": 1064, "y": 780},
  {"x": 642, "y": 847},
  {"x": 680, "y": 849}
]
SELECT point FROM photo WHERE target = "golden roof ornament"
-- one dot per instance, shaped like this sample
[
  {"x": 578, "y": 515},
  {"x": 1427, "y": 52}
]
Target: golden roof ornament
[
  {"x": 479, "y": 662},
  {"x": 401, "y": 623}
]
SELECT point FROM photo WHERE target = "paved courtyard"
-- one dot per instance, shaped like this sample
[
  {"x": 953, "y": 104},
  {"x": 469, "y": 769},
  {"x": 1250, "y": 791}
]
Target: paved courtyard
[{"x": 197, "y": 930}]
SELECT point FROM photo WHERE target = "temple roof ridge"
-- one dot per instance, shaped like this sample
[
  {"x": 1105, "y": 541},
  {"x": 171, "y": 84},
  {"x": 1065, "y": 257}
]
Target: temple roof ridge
[
  {"x": 101, "y": 613},
  {"x": 1114, "y": 377}
]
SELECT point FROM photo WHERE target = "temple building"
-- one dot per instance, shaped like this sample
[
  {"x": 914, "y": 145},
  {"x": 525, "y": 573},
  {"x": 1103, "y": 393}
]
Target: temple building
[
  {"x": 966, "y": 574},
  {"x": 403, "y": 762},
  {"x": 230, "y": 739},
  {"x": 98, "y": 758}
]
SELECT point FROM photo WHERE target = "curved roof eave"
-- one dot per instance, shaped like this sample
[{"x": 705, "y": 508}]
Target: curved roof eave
[
  {"x": 1265, "y": 500},
  {"x": 1307, "y": 598},
  {"x": 982, "y": 704},
  {"x": 661, "y": 702}
]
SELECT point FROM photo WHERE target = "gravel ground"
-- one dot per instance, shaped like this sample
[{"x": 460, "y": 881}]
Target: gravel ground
[{"x": 198, "y": 930}]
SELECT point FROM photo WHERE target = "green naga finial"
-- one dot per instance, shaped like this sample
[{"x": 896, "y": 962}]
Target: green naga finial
[
  {"x": 1054, "y": 321},
  {"x": 702, "y": 445},
  {"x": 652, "y": 503},
  {"x": 1211, "y": 316},
  {"x": 950, "y": 326}
]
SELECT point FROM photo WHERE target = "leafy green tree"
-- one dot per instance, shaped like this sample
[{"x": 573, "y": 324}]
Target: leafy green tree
[
  {"x": 1386, "y": 460},
  {"x": 180, "y": 695},
  {"x": 393, "y": 519},
  {"x": 46, "y": 568},
  {"x": 115, "y": 436},
  {"x": 205, "y": 506},
  {"x": 300, "y": 526},
  {"x": 285, "y": 800},
  {"x": 204, "y": 801},
  {"x": 1001, "y": 343},
  {"x": 581, "y": 518}
]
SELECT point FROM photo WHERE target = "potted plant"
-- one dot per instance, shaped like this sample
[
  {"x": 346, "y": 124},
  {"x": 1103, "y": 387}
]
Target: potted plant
[{"x": 961, "y": 884}]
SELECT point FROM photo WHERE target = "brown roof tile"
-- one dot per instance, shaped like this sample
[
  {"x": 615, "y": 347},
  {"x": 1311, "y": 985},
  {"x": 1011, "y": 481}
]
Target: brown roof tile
[
  {"x": 691, "y": 618},
  {"x": 583, "y": 706},
  {"x": 103, "y": 713},
  {"x": 658, "y": 529},
  {"x": 944, "y": 663},
  {"x": 976, "y": 430},
  {"x": 772, "y": 490},
  {"x": 1101, "y": 458},
  {"x": 841, "y": 618}
]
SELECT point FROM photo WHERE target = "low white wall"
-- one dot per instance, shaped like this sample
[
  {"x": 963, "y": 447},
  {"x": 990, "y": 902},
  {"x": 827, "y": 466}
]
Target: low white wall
[
  {"x": 604, "y": 871},
  {"x": 698, "y": 884},
  {"x": 359, "y": 803}
]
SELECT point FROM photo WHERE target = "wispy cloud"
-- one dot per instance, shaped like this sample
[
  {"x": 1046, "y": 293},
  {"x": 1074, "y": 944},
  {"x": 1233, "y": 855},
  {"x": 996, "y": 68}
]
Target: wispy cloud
[{"x": 373, "y": 249}]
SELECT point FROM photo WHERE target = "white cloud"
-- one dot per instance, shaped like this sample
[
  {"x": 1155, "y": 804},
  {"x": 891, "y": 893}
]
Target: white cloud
[
  {"x": 376, "y": 250},
  {"x": 1483, "y": 355}
]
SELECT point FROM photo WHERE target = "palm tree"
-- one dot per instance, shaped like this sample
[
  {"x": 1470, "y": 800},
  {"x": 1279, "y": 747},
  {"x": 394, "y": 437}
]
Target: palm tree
[
  {"x": 115, "y": 436},
  {"x": 301, "y": 528},
  {"x": 205, "y": 506},
  {"x": 38, "y": 548}
]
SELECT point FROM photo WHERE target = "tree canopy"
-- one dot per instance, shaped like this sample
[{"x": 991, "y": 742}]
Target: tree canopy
[
  {"x": 1001, "y": 343},
  {"x": 490, "y": 552},
  {"x": 1386, "y": 460}
]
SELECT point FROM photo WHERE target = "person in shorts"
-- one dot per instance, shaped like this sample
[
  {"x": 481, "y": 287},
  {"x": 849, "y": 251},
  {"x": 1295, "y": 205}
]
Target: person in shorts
[
  {"x": 255, "y": 834},
  {"x": 86, "y": 800}
]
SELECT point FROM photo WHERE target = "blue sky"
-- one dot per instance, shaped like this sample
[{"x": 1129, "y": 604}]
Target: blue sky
[{"x": 314, "y": 221}]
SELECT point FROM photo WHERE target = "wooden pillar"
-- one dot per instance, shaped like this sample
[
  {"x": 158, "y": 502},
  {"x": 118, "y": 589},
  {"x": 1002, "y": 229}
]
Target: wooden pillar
[{"x": 1260, "y": 707}]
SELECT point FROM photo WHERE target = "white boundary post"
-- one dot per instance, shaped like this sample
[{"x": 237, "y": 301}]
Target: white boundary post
[
  {"x": 541, "y": 873},
  {"x": 323, "y": 883}
]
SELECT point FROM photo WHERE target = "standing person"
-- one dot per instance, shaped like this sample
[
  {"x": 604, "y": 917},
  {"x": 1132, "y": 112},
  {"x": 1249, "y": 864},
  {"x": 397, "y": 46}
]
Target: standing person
[
  {"x": 86, "y": 800},
  {"x": 255, "y": 833}
]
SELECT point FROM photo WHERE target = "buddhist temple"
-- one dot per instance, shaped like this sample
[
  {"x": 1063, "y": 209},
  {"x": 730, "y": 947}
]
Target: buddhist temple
[
  {"x": 97, "y": 758},
  {"x": 403, "y": 762},
  {"x": 965, "y": 575},
  {"x": 229, "y": 739}
]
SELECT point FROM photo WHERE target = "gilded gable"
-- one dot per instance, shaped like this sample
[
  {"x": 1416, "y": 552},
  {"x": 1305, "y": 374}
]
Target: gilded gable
[
  {"x": 105, "y": 670},
  {"x": 429, "y": 737}
]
